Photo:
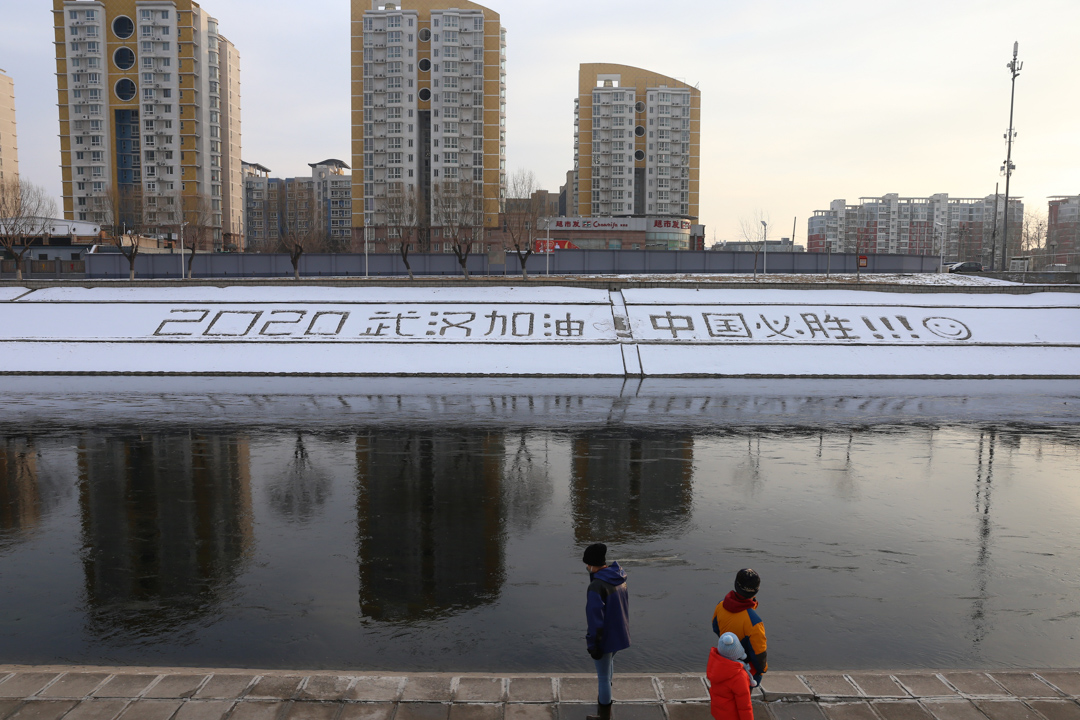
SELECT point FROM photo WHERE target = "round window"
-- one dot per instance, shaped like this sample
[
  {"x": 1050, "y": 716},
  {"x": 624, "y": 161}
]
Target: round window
[
  {"x": 424, "y": 94},
  {"x": 122, "y": 27},
  {"x": 424, "y": 65},
  {"x": 640, "y": 131},
  {"x": 124, "y": 58},
  {"x": 424, "y": 34},
  {"x": 125, "y": 90},
  {"x": 640, "y": 107},
  {"x": 639, "y": 155}
]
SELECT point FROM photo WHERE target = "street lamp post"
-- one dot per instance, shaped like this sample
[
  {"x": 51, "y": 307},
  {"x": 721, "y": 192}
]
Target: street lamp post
[
  {"x": 941, "y": 244},
  {"x": 547, "y": 247},
  {"x": 183, "y": 271},
  {"x": 1014, "y": 66},
  {"x": 765, "y": 243}
]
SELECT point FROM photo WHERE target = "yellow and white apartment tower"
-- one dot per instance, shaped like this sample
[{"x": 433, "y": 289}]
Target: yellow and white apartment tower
[
  {"x": 429, "y": 105},
  {"x": 149, "y": 98},
  {"x": 9, "y": 148},
  {"x": 637, "y": 149}
]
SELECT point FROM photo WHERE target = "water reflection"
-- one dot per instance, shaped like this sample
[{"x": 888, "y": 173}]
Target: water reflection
[
  {"x": 984, "y": 478},
  {"x": 527, "y": 485},
  {"x": 27, "y": 491},
  {"x": 462, "y": 543},
  {"x": 627, "y": 488},
  {"x": 431, "y": 522},
  {"x": 166, "y": 523},
  {"x": 302, "y": 488}
]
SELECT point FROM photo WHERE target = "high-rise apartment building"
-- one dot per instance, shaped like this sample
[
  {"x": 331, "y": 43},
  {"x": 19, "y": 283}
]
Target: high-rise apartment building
[
  {"x": 9, "y": 148},
  {"x": 637, "y": 148},
  {"x": 429, "y": 108},
  {"x": 149, "y": 99},
  {"x": 1063, "y": 230},
  {"x": 896, "y": 225}
]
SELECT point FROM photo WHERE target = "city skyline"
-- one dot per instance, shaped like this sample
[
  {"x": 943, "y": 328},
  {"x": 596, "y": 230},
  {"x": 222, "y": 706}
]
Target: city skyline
[{"x": 799, "y": 105}]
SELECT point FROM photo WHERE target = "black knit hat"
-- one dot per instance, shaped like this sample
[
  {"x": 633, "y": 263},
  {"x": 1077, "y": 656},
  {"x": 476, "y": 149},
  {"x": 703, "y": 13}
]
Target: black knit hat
[
  {"x": 747, "y": 582},
  {"x": 595, "y": 555}
]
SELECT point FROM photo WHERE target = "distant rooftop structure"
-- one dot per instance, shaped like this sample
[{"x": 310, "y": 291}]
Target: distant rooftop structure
[{"x": 331, "y": 163}]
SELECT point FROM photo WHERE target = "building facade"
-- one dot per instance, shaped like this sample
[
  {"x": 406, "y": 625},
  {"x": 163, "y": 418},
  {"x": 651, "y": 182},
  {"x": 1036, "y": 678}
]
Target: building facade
[
  {"x": 1063, "y": 230},
  {"x": 959, "y": 228},
  {"x": 637, "y": 144},
  {"x": 149, "y": 100},
  {"x": 9, "y": 146},
  {"x": 317, "y": 207},
  {"x": 428, "y": 107}
]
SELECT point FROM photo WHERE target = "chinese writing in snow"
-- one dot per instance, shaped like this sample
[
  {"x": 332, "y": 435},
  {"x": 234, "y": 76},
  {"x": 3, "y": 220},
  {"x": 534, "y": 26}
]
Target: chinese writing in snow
[
  {"x": 775, "y": 326},
  {"x": 396, "y": 324}
]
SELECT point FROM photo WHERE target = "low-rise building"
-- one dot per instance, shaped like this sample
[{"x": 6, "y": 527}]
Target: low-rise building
[
  {"x": 1063, "y": 230},
  {"x": 318, "y": 206}
]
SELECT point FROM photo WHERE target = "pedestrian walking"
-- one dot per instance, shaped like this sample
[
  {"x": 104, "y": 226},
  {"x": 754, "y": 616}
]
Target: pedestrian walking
[
  {"x": 607, "y": 610},
  {"x": 737, "y": 614},
  {"x": 729, "y": 680}
]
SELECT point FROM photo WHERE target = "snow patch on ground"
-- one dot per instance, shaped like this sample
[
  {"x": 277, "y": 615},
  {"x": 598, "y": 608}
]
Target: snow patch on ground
[{"x": 929, "y": 279}]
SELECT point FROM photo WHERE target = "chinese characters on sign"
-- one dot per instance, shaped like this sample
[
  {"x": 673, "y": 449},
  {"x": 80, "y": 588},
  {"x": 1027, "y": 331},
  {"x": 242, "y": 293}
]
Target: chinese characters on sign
[{"x": 358, "y": 324}]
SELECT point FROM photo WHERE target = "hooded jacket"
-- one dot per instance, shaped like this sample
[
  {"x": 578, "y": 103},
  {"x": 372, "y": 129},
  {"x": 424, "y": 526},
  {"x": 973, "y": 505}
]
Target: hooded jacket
[
  {"x": 736, "y": 614},
  {"x": 729, "y": 688},
  {"x": 607, "y": 609}
]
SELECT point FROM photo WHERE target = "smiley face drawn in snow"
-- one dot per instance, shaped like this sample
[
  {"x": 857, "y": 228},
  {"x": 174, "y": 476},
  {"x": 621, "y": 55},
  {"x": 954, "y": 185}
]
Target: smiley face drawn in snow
[{"x": 947, "y": 328}]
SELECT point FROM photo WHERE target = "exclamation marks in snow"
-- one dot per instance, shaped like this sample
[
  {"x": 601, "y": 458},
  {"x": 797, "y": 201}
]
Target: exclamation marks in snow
[
  {"x": 889, "y": 326},
  {"x": 904, "y": 322}
]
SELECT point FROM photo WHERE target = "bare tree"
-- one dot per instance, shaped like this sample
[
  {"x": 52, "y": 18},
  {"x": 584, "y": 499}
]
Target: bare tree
[
  {"x": 524, "y": 209},
  {"x": 199, "y": 217},
  {"x": 403, "y": 215},
  {"x": 25, "y": 210},
  {"x": 297, "y": 241},
  {"x": 123, "y": 213},
  {"x": 457, "y": 207},
  {"x": 752, "y": 230},
  {"x": 1033, "y": 233}
]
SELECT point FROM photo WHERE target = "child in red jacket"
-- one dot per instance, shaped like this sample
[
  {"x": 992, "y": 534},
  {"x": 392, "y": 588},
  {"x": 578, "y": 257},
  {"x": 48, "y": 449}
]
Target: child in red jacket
[{"x": 729, "y": 680}]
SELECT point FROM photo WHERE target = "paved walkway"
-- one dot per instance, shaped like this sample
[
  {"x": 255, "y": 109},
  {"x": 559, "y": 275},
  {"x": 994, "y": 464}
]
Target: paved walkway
[{"x": 92, "y": 693}]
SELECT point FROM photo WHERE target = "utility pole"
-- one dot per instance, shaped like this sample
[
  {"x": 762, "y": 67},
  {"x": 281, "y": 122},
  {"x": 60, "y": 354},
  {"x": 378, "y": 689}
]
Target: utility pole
[
  {"x": 1014, "y": 69},
  {"x": 765, "y": 243}
]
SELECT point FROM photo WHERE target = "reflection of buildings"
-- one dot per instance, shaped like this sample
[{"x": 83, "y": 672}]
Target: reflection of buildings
[
  {"x": 431, "y": 522},
  {"x": 20, "y": 497},
  {"x": 166, "y": 522},
  {"x": 625, "y": 489}
]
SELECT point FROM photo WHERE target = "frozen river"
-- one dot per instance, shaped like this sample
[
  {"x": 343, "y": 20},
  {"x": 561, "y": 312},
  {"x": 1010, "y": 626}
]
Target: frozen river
[{"x": 438, "y": 524}]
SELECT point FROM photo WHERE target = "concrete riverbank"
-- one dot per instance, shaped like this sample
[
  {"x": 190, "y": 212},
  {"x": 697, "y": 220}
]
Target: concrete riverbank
[
  {"x": 104, "y": 693},
  {"x": 539, "y": 331}
]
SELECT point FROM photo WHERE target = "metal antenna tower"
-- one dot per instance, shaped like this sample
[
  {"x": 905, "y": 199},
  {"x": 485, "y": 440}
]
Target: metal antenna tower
[{"x": 1014, "y": 66}]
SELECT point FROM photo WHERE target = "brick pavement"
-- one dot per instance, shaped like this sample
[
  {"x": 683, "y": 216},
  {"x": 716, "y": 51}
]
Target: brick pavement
[{"x": 91, "y": 693}]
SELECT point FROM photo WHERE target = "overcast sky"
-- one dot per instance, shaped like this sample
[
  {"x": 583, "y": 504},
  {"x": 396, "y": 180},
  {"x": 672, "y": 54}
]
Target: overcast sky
[{"x": 803, "y": 102}]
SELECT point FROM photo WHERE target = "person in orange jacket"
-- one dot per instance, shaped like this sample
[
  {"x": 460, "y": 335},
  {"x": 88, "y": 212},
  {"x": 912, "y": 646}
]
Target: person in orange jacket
[
  {"x": 737, "y": 613},
  {"x": 729, "y": 680}
]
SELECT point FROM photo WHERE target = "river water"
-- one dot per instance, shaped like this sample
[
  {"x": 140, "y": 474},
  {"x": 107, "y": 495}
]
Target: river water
[{"x": 439, "y": 524}]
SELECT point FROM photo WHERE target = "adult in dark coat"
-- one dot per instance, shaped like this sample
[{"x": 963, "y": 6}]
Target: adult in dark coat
[{"x": 607, "y": 610}]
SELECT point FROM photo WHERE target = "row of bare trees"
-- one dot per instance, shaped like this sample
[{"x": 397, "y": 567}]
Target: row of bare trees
[{"x": 456, "y": 208}]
